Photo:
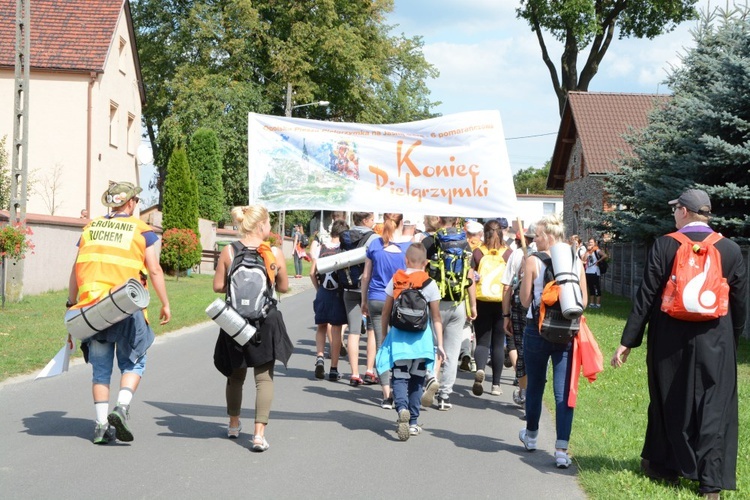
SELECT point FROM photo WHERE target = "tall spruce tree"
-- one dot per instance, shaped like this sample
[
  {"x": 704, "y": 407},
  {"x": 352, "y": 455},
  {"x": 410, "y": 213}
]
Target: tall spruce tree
[
  {"x": 205, "y": 163},
  {"x": 700, "y": 138},
  {"x": 180, "y": 194}
]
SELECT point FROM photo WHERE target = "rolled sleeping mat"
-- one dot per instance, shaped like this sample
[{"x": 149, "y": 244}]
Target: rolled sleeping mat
[
  {"x": 341, "y": 260},
  {"x": 120, "y": 303},
  {"x": 230, "y": 321},
  {"x": 566, "y": 275}
]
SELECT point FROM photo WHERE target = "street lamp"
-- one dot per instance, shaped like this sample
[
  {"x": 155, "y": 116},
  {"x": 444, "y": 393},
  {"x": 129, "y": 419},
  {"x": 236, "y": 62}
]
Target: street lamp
[{"x": 319, "y": 103}]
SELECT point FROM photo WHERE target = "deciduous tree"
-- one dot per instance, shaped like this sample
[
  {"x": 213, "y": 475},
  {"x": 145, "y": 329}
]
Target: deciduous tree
[{"x": 593, "y": 24}]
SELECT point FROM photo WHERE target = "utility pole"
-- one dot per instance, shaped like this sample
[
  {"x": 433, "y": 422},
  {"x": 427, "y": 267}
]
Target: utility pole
[{"x": 20, "y": 154}]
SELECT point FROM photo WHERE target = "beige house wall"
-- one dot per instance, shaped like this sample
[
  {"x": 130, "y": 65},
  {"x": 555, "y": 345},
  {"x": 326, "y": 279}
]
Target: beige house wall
[{"x": 58, "y": 119}]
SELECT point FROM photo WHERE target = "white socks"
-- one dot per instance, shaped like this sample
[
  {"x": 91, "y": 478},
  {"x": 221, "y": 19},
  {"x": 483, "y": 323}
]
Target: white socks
[
  {"x": 124, "y": 397},
  {"x": 102, "y": 410}
]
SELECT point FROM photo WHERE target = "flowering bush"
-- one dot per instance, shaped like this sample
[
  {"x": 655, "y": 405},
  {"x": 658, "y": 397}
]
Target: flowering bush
[
  {"x": 274, "y": 240},
  {"x": 180, "y": 249},
  {"x": 14, "y": 242}
]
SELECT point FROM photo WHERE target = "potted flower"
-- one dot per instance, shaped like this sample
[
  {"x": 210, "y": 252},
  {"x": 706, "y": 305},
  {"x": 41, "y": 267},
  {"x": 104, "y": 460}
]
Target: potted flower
[{"x": 14, "y": 244}]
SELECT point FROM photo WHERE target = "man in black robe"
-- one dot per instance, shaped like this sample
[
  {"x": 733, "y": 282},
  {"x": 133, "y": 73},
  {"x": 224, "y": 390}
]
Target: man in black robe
[{"x": 692, "y": 365}]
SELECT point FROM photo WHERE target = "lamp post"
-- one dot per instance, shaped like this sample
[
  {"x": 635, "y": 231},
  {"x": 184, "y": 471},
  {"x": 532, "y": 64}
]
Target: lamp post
[{"x": 288, "y": 113}]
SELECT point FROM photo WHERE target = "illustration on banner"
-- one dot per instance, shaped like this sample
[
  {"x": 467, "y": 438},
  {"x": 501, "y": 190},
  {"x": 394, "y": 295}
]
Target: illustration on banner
[{"x": 300, "y": 173}]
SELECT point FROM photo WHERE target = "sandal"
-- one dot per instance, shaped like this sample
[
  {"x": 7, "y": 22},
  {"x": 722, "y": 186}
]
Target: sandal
[
  {"x": 355, "y": 380},
  {"x": 234, "y": 432},
  {"x": 260, "y": 444}
]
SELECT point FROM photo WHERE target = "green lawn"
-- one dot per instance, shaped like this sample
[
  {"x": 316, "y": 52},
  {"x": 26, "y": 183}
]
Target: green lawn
[
  {"x": 610, "y": 416},
  {"x": 610, "y": 420}
]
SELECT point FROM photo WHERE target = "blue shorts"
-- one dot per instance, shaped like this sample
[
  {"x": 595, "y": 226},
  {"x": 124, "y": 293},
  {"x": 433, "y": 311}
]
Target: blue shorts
[
  {"x": 329, "y": 307},
  {"x": 101, "y": 356}
]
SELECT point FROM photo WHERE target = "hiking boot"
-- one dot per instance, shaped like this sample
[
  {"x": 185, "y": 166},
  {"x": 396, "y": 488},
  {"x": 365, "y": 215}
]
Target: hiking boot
[
  {"x": 443, "y": 404},
  {"x": 387, "y": 403},
  {"x": 465, "y": 363},
  {"x": 528, "y": 442},
  {"x": 477, "y": 388},
  {"x": 320, "y": 368},
  {"x": 119, "y": 420},
  {"x": 403, "y": 424},
  {"x": 428, "y": 395},
  {"x": 562, "y": 460},
  {"x": 103, "y": 434},
  {"x": 496, "y": 390}
]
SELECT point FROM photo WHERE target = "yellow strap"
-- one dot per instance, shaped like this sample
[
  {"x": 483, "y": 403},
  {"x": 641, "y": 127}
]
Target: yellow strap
[{"x": 111, "y": 259}]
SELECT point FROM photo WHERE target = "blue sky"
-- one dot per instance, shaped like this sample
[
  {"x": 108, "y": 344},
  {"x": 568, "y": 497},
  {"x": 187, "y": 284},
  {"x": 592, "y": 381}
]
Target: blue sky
[{"x": 489, "y": 59}]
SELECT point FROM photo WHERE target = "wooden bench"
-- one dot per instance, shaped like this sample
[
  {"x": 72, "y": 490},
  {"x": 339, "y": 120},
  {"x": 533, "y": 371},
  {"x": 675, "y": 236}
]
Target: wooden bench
[{"x": 210, "y": 256}]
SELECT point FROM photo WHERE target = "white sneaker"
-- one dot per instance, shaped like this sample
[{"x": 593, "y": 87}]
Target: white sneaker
[
  {"x": 528, "y": 442},
  {"x": 562, "y": 460}
]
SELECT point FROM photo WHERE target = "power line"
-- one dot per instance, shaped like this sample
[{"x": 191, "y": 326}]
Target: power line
[{"x": 529, "y": 136}]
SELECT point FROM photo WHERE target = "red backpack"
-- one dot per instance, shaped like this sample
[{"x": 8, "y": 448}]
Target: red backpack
[{"x": 696, "y": 289}]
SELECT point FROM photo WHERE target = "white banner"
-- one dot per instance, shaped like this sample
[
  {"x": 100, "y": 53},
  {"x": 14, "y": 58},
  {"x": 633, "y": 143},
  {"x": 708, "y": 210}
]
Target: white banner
[{"x": 455, "y": 165}]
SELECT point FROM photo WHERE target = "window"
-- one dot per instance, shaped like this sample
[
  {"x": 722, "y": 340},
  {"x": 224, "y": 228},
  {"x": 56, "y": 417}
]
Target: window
[
  {"x": 548, "y": 208},
  {"x": 114, "y": 123},
  {"x": 122, "y": 55},
  {"x": 131, "y": 134}
]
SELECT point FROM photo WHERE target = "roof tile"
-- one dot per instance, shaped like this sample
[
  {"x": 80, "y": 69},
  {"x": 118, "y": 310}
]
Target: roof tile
[{"x": 65, "y": 34}]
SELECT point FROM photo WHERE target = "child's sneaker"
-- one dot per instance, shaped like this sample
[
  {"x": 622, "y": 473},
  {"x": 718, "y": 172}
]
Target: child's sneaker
[
  {"x": 428, "y": 395},
  {"x": 477, "y": 388},
  {"x": 562, "y": 459},
  {"x": 528, "y": 442},
  {"x": 320, "y": 368},
  {"x": 415, "y": 430},
  {"x": 334, "y": 375},
  {"x": 443, "y": 404},
  {"x": 403, "y": 424},
  {"x": 387, "y": 403}
]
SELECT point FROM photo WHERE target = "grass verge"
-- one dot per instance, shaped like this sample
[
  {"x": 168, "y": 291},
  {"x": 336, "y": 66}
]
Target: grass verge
[{"x": 610, "y": 420}]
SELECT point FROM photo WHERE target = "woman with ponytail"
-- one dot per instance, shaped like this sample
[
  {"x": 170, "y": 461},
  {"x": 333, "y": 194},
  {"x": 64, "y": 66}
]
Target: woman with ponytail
[
  {"x": 230, "y": 358},
  {"x": 385, "y": 256}
]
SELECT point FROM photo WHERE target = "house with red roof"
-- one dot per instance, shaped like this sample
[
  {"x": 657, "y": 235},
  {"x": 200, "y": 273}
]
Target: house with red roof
[
  {"x": 589, "y": 144},
  {"x": 85, "y": 99}
]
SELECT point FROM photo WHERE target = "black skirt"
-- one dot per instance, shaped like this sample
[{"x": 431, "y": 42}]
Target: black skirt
[{"x": 274, "y": 345}]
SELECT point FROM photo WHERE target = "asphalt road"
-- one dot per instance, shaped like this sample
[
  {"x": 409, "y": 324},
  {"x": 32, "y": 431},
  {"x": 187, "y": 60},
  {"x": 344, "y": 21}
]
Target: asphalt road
[{"x": 328, "y": 440}]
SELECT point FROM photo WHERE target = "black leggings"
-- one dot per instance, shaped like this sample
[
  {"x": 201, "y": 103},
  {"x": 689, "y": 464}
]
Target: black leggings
[{"x": 488, "y": 328}]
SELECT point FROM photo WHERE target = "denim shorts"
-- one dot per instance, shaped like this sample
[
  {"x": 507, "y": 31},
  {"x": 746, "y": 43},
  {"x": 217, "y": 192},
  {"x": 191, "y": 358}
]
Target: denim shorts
[{"x": 101, "y": 357}]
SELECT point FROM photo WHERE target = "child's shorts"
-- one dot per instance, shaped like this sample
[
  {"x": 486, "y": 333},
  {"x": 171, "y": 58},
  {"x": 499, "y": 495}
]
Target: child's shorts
[{"x": 329, "y": 308}]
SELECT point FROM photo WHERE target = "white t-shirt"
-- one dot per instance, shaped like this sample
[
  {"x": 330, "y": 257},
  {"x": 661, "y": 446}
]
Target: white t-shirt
[
  {"x": 431, "y": 292},
  {"x": 512, "y": 267}
]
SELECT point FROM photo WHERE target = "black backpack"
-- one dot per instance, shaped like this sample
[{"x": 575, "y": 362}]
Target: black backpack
[
  {"x": 304, "y": 240},
  {"x": 411, "y": 311},
  {"x": 349, "y": 277},
  {"x": 249, "y": 289},
  {"x": 554, "y": 327}
]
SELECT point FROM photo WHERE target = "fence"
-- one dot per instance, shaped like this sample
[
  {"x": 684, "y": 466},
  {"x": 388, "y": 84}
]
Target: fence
[{"x": 626, "y": 263}]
